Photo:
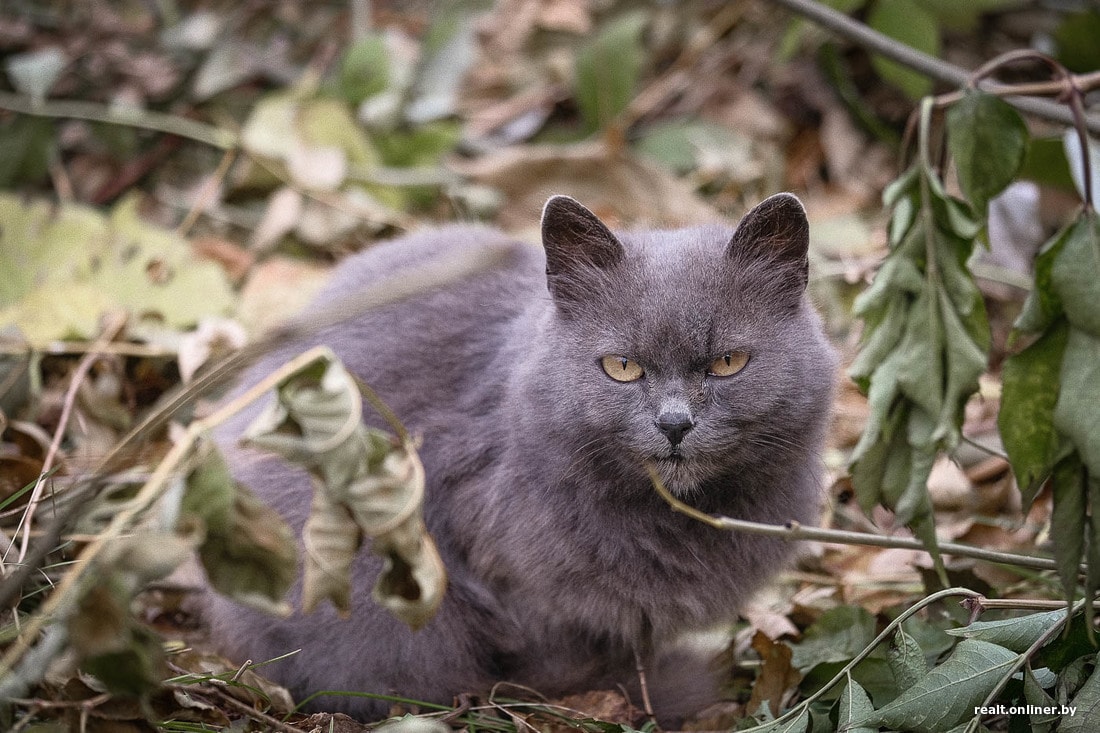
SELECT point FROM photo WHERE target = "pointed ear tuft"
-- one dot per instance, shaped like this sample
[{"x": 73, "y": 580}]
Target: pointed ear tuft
[
  {"x": 777, "y": 230},
  {"x": 575, "y": 241}
]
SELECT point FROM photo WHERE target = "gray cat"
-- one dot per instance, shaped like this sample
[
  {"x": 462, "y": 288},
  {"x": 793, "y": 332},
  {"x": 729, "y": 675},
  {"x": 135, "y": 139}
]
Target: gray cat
[{"x": 541, "y": 387}]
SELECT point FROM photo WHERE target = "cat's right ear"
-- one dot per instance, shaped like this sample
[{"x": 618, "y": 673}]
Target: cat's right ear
[
  {"x": 576, "y": 241},
  {"x": 776, "y": 230}
]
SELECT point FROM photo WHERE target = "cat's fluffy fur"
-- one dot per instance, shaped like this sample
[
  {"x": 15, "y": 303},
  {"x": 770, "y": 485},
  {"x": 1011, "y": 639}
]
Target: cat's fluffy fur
[{"x": 563, "y": 561}]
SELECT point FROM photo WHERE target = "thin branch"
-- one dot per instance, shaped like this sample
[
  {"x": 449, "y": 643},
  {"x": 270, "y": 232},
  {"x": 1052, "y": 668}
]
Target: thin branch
[
  {"x": 112, "y": 330},
  {"x": 930, "y": 66},
  {"x": 120, "y": 115},
  {"x": 243, "y": 708},
  {"x": 870, "y": 39},
  {"x": 982, "y": 605},
  {"x": 793, "y": 532}
]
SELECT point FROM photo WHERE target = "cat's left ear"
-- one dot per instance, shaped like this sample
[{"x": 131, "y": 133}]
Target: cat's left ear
[
  {"x": 775, "y": 229},
  {"x": 575, "y": 241}
]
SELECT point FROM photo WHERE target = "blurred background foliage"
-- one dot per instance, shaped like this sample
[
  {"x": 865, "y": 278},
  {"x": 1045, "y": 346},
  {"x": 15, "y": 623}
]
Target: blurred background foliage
[{"x": 199, "y": 164}]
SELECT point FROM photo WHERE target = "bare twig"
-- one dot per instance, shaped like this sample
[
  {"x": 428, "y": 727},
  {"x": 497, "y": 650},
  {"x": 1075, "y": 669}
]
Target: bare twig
[
  {"x": 131, "y": 116},
  {"x": 643, "y": 684},
  {"x": 981, "y": 605},
  {"x": 932, "y": 67},
  {"x": 83, "y": 347},
  {"x": 112, "y": 330},
  {"x": 206, "y": 193},
  {"x": 794, "y": 532},
  {"x": 224, "y": 698}
]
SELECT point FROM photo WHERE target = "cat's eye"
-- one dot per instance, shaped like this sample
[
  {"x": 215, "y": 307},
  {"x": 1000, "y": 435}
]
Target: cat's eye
[
  {"x": 622, "y": 369},
  {"x": 728, "y": 364}
]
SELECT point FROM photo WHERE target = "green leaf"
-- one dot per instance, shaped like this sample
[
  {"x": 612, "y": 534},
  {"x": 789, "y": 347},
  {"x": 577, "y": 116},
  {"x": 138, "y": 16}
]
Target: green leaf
[
  {"x": 608, "y": 70},
  {"x": 905, "y": 21},
  {"x": 966, "y": 360},
  {"x": 25, "y": 149},
  {"x": 951, "y": 260},
  {"x": 839, "y": 635},
  {"x": 913, "y": 500},
  {"x": 920, "y": 376},
  {"x": 949, "y": 692},
  {"x": 906, "y": 660},
  {"x": 1043, "y": 304},
  {"x": 1037, "y": 697},
  {"x": 988, "y": 141},
  {"x": 1086, "y": 717},
  {"x": 365, "y": 68},
  {"x": 1046, "y": 164},
  {"x": 1067, "y": 521},
  {"x": 424, "y": 145},
  {"x": 1076, "y": 40},
  {"x": 685, "y": 145},
  {"x": 1076, "y": 274},
  {"x": 797, "y": 725},
  {"x": 880, "y": 338},
  {"x": 882, "y": 462},
  {"x": 897, "y": 274},
  {"x": 447, "y": 53},
  {"x": 1031, "y": 381},
  {"x": 907, "y": 184},
  {"x": 953, "y": 216},
  {"x": 881, "y": 398},
  {"x": 1077, "y": 412},
  {"x": 1016, "y": 634},
  {"x": 854, "y": 705}
]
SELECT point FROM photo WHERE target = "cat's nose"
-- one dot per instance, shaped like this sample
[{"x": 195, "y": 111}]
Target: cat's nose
[{"x": 674, "y": 425}]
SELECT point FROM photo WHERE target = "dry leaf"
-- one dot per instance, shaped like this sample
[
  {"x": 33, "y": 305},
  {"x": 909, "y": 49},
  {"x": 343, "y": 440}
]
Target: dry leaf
[
  {"x": 776, "y": 675},
  {"x": 366, "y": 484},
  {"x": 620, "y": 189}
]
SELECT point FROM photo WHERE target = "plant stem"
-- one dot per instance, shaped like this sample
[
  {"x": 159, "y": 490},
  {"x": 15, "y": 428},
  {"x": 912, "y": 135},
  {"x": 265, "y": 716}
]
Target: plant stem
[
  {"x": 793, "y": 531},
  {"x": 930, "y": 66},
  {"x": 134, "y": 117}
]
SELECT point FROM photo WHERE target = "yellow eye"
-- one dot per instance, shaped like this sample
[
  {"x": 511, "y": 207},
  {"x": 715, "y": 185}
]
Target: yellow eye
[
  {"x": 622, "y": 369},
  {"x": 728, "y": 364}
]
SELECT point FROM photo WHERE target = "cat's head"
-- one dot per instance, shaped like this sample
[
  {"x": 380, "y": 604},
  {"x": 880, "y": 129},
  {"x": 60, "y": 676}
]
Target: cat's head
[{"x": 693, "y": 349}]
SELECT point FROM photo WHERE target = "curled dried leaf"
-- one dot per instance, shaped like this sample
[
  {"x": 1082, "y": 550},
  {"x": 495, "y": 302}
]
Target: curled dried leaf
[
  {"x": 367, "y": 484},
  {"x": 248, "y": 551}
]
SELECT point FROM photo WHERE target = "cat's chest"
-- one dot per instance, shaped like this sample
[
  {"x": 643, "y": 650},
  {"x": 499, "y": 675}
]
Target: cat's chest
[{"x": 612, "y": 568}]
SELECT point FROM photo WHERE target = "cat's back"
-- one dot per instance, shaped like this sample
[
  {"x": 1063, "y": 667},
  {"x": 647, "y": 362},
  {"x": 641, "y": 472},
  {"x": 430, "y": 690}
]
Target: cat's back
[
  {"x": 449, "y": 277},
  {"x": 430, "y": 354},
  {"x": 463, "y": 289}
]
